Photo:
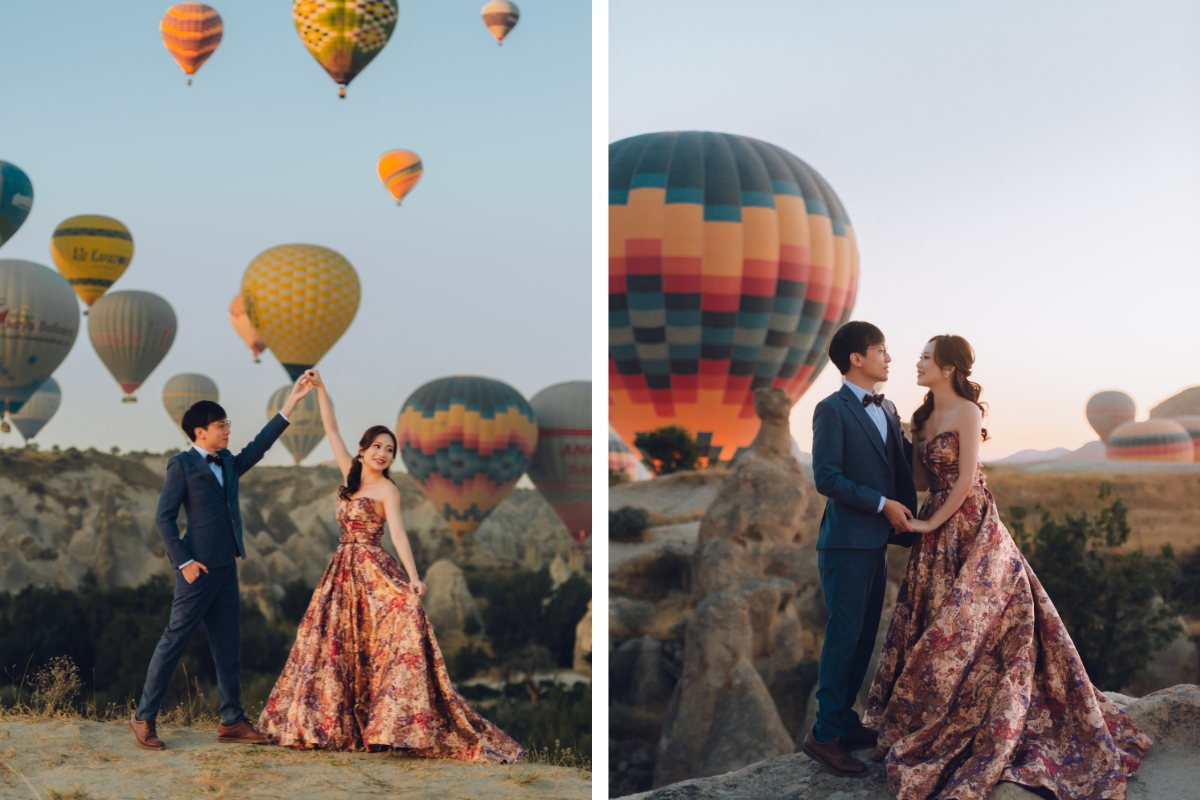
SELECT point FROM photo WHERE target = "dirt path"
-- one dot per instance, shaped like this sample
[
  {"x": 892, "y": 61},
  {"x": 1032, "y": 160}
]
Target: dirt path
[{"x": 76, "y": 760}]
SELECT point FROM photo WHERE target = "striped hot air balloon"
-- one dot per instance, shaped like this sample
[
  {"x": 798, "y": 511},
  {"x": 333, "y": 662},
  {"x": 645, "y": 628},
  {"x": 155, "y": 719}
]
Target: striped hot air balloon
[
  {"x": 300, "y": 298},
  {"x": 244, "y": 328},
  {"x": 131, "y": 332},
  {"x": 731, "y": 263},
  {"x": 181, "y": 392},
  {"x": 1150, "y": 440},
  {"x": 191, "y": 32},
  {"x": 466, "y": 441},
  {"x": 38, "y": 409},
  {"x": 1106, "y": 410},
  {"x": 91, "y": 252},
  {"x": 1192, "y": 426},
  {"x": 500, "y": 17},
  {"x": 400, "y": 170},
  {"x": 16, "y": 199},
  {"x": 345, "y": 35},
  {"x": 622, "y": 459},
  {"x": 305, "y": 429},
  {"x": 39, "y": 320},
  {"x": 562, "y": 464}
]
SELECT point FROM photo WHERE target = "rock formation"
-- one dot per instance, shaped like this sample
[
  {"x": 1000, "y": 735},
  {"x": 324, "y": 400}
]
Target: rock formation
[
  {"x": 581, "y": 659},
  {"x": 448, "y": 603}
]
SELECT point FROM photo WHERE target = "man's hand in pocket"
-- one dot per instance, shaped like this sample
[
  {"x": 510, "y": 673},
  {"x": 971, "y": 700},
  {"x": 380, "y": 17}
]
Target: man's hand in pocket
[{"x": 192, "y": 571}]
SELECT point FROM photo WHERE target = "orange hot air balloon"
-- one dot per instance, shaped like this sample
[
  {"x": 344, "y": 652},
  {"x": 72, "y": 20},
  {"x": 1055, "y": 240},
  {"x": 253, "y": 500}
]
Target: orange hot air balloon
[
  {"x": 245, "y": 328},
  {"x": 191, "y": 32},
  {"x": 500, "y": 17},
  {"x": 400, "y": 170}
]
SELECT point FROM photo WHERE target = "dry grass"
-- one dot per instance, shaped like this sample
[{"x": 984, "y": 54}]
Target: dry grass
[
  {"x": 560, "y": 757},
  {"x": 525, "y": 777}
]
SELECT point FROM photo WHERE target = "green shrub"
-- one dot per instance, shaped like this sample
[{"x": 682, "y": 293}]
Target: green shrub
[
  {"x": 522, "y": 608},
  {"x": 670, "y": 449},
  {"x": 628, "y": 523}
]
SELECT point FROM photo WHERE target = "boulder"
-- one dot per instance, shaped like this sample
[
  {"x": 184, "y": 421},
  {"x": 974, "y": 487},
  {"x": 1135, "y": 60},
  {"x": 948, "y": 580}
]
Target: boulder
[
  {"x": 448, "y": 603},
  {"x": 581, "y": 659},
  {"x": 1176, "y": 663},
  {"x": 775, "y": 642},
  {"x": 745, "y": 726}
]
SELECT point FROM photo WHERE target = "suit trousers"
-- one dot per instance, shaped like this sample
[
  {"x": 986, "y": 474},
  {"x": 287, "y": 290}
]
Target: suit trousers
[
  {"x": 214, "y": 600},
  {"x": 853, "y": 582}
]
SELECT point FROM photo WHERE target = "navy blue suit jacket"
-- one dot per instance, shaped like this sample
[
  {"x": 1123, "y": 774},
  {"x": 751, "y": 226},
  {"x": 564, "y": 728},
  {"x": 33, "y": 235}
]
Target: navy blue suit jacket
[
  {"x": 852, "y": 468},
  {"x": 214, "y": 519}
]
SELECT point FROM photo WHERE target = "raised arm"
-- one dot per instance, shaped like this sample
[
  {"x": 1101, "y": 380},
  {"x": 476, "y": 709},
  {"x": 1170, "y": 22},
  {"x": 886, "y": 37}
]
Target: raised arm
[
  {"x": 391, "y": 513},
  {"x": 329, "y": 420}
]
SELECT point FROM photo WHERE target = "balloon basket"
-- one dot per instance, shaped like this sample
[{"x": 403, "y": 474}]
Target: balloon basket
[
  {"x": 189, "y": 81},
  {"x": 5, "y": 427},
  {"x": 129, "y": 399},
  {"x": 257, "y": 360},
  {"x": 342, "y": 92}
]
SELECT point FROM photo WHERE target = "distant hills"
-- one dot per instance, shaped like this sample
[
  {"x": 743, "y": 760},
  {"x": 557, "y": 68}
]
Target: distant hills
[
  {"x": 1184, "y": 404},
  {"x": 1092, "y": 451}
]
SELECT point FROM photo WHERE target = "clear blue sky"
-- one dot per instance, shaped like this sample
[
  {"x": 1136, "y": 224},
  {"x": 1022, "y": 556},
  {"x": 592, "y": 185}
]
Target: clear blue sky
[
  {"x": 1025, "y": 174},
  {"x": 484, "y": 270}
]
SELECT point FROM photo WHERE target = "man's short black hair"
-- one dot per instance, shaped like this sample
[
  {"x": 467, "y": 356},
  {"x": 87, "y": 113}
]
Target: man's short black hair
[
  {"x": 201, "y": 415},
  {"x": 853, "y": 337}
]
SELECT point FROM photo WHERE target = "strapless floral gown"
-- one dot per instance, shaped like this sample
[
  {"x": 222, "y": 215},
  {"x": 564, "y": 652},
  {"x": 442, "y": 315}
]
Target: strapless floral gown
[
  {"x": 366, "y": 669},
  {"x": 978, "y": 681}
]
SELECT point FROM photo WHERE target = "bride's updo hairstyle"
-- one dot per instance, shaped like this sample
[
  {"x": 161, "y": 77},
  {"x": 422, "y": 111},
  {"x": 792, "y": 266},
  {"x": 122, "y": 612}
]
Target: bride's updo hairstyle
[
  {"x": 952, "y": 351},
  {"x": 354, "y": 476}
]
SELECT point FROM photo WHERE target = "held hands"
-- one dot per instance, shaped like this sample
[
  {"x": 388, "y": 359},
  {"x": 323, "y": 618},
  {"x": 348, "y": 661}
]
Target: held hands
[
  {"x": 303, "y": 386},
  {"x": 418, "y": 587},
  {"x": 899, "y": 516},
  {"x": 920, "y": 526},
  {"x": 314, "y": 378},
  {"x": 192, "y": 571}
]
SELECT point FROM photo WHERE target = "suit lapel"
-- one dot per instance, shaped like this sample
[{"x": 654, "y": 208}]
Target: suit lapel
[
  {"x": 860, "y": 413},
  {"x": 205, "y": 472},
  {"x": 226, "y": 469}
]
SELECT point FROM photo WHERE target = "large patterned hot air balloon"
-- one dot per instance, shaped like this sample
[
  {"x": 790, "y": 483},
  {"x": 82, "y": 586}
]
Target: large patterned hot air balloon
[
  {"x": 345, "y": 35},
  {"x": 300, "y": 298},
  {"x": 131, "y": 332},
  {"x": 305, "y": 429},
  {"x": 16, "y": 199},
  {"x": 1192, "y": 426},
  {"x": 245, "y": 328},
  {"x": 731, "y": 263},
  {"x": 466, "y": 441},
  {"x": 39, "y": 319},
  {"x": 562, "y": 465},
  {"x": 400, "y": 170},
  {"x": 191, "y": 31},
  {"x": 622, "y": 459},
  {"x": 38, "y": 409},
  {"x": 91, "y": 252},
  {"x": 1106, "y": 410},
  {"x": 500, "y": 17},
  {"x": 1150, "y": 440},
  {"x": 181, "y": 392}
]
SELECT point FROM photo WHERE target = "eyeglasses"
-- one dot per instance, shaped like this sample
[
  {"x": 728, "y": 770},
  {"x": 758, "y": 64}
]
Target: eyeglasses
[
  {"x": 883, "y": 349},
  {"x": 223, "y": 424}
]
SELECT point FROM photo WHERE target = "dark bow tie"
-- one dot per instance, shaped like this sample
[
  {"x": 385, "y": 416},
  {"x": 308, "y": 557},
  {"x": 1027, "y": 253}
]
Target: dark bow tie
[
  {"x": 211, "y": 459},
  {"x": 877, "y": 399}
]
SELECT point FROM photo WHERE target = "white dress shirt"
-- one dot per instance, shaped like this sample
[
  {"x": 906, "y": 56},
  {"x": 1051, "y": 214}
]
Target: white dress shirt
[{"x": 877, "y": 415}]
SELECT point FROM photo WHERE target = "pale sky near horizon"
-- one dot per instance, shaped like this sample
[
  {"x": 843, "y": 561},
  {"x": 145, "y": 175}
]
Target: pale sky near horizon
[
  {"x": 484, "y": 270},
  {"x": 1024, "y": 174}
]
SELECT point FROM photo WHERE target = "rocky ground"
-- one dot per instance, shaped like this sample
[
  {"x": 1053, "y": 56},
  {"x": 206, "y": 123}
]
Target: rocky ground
[{"x": 80, "y": 760}]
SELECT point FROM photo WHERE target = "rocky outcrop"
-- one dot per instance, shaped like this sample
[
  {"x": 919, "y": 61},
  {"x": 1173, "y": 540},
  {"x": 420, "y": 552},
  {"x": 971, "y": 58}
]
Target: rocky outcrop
[
  {"x": 448, "y": 603},
  {"x": 581, "y": 658}
]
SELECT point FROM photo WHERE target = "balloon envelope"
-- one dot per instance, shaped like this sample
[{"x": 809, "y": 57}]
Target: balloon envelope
[
  {"x": 245, "y": 328},
  {"x": 1106, "y": 410},
  {"x": 131, "y": 332},
  {"x": 1150, "y": 440},
  {"x": 91, "y": 252},
  {"x": 38, "y": 409},
  {"x": 1192, "y": 426},
  {"x": 562, "y": 464},
  {"x": 400, "y": 170},
  {"x": 300, "y": 298},
  {"x": 39, "y": 320},
  {"x": 305, "y": 429},
  {"x": 624, "y": 460},
  {"x": 16, "y": 199},
  {"x": 731, "y": 263},
  {"x": 500, "y": 17},
  {"x": 345, "y": 35},
  {"x": 466, "y": 441},
  {"x": 181, "y": 392},
  {"x": 191, "y": 32}
]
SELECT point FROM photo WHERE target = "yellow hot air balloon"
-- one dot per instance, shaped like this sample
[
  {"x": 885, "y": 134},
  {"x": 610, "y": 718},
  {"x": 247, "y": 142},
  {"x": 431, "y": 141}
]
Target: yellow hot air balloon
[
  {"x": 345, "y": 35},
  {"x": 191, "y": 32},
  {"x": 91, "y": 252},
  {"x": 500, "y": 17},
  {"x": 300, "y": 298},
  {"x": 305, "y": 429},
  {"x": 244, "y": 328},
  {"x": 400, "y": 170}
]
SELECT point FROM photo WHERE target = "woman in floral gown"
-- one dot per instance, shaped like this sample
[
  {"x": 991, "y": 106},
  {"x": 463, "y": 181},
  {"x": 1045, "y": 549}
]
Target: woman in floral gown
[
  {"x": 366, "y": 671},
  {"x": 978, "y": 681}
]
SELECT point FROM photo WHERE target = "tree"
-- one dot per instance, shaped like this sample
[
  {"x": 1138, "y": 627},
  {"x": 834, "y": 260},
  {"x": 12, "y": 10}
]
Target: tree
[{"x": 668, "y": 450}]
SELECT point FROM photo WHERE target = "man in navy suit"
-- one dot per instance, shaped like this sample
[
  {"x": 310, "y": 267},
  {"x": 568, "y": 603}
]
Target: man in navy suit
[
  {"x": 862, "y": 464},
  {"x": 204, "y": 482}
]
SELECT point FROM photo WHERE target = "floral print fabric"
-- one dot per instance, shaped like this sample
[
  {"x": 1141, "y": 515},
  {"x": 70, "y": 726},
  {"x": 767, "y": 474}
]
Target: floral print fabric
[
  {"x": 978, "y": 680},
  {"x": 366, "y": 669}
]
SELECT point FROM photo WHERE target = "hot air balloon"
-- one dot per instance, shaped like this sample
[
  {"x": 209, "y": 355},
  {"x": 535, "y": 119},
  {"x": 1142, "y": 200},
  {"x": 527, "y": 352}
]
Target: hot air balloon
[
  {"x": 191, "y": 32},
  {"x": 181, "y": 392},
  {"x": 1106, "y": 410},
  {"x": 400, "y": 170},
  {"x": 1150, "y": 440},
  {"x": 1192, "y": 426},
  {"x": 38, "y": 409},
  {"x": 305, "y": 430},
  {"x": 91, "y": 252},
  {"x": 466, "y": 441},
  {"x": 300, "y": 298},
  {"x": 345, "y": 35},
  {"x": 731, "y": 263},
  {"x": 500, "y": 17},
  {"x": 39, "y": 319},
  {"x": 132, "y": 332},
  {"x": 622, "y": 459},
  {"x": 16, "y": 199},
  {"x": 562, "y": 464},
  {"x": 245, "y": 329}
]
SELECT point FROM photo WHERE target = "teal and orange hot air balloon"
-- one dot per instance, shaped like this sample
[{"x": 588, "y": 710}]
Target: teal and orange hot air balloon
[
  {"x": 400, "y": 170},
  {"x": 731, "y": 263},
  {"x": 16, "y": 199},
  {"x": 466, "y": 441},
  {"x": 191, "y": 33},
  {"x": 345, "y": 35}
]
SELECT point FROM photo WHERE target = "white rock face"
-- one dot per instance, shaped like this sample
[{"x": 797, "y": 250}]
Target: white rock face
[{"x": 448, "y": 603}]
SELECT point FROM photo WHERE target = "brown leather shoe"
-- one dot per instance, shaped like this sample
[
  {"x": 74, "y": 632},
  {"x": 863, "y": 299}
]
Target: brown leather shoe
[
  {"x": 860, "y": 737},
  {"x": 831, "y": 756},
  {"x": 240, "y": 733},
  {"x": 146, "y": 733}
]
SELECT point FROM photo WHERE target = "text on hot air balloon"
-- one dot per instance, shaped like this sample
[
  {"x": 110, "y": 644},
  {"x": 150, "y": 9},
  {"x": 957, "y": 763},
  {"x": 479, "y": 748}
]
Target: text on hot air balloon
[
  {"x": 583, "y": 450},
  {"x": 97, "y": 257},
  {"x": 22, "y": 201},
  {"x": 112, "y": 339}
]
